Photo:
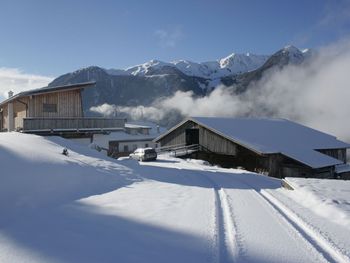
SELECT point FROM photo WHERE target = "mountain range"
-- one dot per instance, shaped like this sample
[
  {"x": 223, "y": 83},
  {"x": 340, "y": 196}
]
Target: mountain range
[{"x": 143, "y": 84}]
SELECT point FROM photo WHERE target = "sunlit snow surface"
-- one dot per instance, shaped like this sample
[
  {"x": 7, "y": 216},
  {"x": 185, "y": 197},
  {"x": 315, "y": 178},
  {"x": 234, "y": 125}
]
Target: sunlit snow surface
[{"x": 85, "y": 207}]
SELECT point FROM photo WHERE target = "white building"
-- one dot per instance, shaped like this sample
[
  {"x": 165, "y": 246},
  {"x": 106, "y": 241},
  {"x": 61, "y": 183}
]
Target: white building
[{"x": 122, "y": 143}]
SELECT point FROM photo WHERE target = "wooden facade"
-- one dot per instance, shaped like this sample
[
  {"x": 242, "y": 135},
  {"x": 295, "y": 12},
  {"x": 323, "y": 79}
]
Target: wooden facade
[
  {"x": 219, "y": 149},
  {"x": 65, "y": 104},
  {"x": 52, "y": 108},
  {"x": 209, "y": 140}
]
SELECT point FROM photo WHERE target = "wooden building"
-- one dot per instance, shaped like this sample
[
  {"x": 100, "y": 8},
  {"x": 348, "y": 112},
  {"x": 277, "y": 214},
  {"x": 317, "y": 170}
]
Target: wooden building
[
  {"x": 51, "y": 109},
  {"x": 276, "y": 147}
]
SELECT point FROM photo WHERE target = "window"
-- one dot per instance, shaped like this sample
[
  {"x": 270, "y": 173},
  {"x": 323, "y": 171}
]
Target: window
[
  {"x": 47, "y": 107},
  {"x": 146, "y": 145}
]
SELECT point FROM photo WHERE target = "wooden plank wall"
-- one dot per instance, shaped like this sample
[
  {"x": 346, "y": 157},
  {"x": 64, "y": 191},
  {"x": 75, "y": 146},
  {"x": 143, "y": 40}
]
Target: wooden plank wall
[
  {"x": 5, "y": 122},
  {"x": 339, "y": 154},
  {"x": 177, "y": 136},
  {"x": 216, "y": 143},
  {"x": 19, "y": 111},
  {"x": 208, "y": 139},
  {"x": 68, "y": 104}
]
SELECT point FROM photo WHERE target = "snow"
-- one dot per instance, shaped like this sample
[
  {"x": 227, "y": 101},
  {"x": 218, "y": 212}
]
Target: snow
[
  {"x": 323, "y": 206},
  {"x": 232, "y": 64},
  {"x": 240, "y": 63},
  {"x": 277, "y": 136},
  {"x": 86, "y": 207},
  {"x": 327, "y": 198}
]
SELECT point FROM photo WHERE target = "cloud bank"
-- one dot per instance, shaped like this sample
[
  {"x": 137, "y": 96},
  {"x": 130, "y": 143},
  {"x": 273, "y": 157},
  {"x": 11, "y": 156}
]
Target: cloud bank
[
  {"x": 316, "y": 94},
  {"x": 15, "y": 80}
]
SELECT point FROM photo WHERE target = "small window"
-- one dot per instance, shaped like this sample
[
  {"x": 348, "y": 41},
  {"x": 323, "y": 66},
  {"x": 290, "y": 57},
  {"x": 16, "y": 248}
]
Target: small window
[
  {"x": 49, "y": 107},
  {"x": 146, "y": 145},
  {"x": 126, "y": 148}
]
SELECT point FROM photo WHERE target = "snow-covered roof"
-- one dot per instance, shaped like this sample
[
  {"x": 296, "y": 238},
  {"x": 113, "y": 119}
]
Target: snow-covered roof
[
  {"x": 342, "y": 168},
  {"x": 267, "y": 136}
]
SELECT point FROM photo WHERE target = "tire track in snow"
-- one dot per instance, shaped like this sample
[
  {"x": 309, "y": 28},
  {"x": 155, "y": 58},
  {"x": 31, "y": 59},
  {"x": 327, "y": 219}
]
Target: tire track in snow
[
  {"x": 301, "y": 228},
  {"x": 227, "y": 245}
]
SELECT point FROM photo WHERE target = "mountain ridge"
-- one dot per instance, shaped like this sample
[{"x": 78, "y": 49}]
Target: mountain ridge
[{"x": 145, "y": 83}]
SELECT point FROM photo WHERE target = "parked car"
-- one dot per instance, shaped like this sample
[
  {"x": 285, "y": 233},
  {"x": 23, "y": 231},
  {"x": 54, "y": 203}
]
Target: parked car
[{"x": 144, "y": 154}]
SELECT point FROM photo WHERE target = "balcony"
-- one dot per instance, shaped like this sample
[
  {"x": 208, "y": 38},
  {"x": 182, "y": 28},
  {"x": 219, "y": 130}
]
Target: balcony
[{"x": 34, "y": 125}]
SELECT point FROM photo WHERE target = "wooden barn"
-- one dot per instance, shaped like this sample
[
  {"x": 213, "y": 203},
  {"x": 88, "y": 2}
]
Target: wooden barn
[
  {"x": 51, "y": 109},
  {"x": 276, "y": 147}
]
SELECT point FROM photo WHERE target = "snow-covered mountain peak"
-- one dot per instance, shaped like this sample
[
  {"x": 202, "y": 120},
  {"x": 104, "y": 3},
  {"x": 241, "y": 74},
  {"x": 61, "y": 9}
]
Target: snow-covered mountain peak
[
  {"x": 143, "y": 69},
  {"x": 294, "y": 54},
  {"x": 291, "y": 49},
  {"x": 239, "y": 63},
  {"x": 234, "y": 63},
  {"x": 224, "y": 62}
]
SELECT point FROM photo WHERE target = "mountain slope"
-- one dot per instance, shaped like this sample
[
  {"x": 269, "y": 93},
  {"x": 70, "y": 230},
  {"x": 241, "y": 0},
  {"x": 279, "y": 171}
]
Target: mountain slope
[
  {"x": 286, "y": 56},
  {"x": 145, "y": 83},
  {"x": 128, "y": 89}
]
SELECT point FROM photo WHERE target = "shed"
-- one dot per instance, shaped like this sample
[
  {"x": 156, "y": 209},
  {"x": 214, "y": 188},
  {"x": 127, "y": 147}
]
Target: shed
[{"x": 277, "y": 147}]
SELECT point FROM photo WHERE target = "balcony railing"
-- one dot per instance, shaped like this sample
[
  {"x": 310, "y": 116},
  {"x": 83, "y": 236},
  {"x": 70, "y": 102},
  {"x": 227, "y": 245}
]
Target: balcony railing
[{"x": 72, "y": 124}]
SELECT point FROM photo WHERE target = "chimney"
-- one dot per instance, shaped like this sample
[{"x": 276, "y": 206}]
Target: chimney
[{"x": 10, "y": 93}]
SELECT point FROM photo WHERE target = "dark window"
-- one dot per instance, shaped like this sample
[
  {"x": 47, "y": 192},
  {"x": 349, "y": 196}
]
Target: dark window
[
  {"x": 148, "y": 151},
  {"x": 146, "y": 145},
  {"x": 49, "y": 107}
]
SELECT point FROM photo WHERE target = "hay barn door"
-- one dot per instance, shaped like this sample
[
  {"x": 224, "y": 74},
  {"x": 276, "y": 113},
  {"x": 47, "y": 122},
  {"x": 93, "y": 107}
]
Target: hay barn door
[{"x": 192, "y": 136}]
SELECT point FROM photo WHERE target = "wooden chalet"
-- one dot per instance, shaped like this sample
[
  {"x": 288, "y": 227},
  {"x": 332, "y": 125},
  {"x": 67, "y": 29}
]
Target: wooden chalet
[
  {"x": 52, "y": 110},
  {"x": 276, "y": 147}
]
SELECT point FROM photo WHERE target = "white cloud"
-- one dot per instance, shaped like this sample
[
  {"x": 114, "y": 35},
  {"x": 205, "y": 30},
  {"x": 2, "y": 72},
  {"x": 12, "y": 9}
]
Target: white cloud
[
  {"x": 169, "y": 38},
  {"x": 15, "y": 80},
  {"x": 105, "y": 109}
]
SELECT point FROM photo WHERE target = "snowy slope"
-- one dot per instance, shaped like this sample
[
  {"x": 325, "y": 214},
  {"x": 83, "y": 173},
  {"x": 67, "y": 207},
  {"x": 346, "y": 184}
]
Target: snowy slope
[{"x": 88, "y": 208}]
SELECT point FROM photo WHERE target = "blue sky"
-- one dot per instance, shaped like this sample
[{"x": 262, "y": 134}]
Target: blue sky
[{"x": 50, "y": 38}]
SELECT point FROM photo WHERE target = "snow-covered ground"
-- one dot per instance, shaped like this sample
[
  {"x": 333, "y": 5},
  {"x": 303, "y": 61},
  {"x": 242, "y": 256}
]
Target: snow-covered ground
[{"x": 85, "y": 207}]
